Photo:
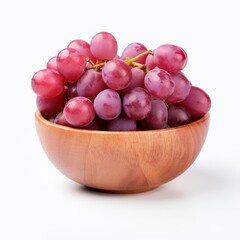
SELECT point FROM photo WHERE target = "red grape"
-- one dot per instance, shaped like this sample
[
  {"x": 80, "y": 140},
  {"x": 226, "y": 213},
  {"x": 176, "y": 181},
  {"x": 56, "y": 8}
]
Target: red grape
[
  {"x": 71, "y": 91},
  {"x": 79, "y": 111},
  {"x": 134, "y": 49},
  {"x": 178, "y": 116},
  {"x": 104, "y": 46},
  {"x": 181, "y": 90},
  {"x": 137, "y": 103},
  {"x": 136, "y": 81},
  {"x": 47, "y": 83},
  {"x": 61, "y": 120},
  {"x": 96, "y": 124},
  {"x": 170, "y": 58},
  {"x": 122, "y": 123},
  {"x": 82, "y": 47},
  {"x": 71, "y": 64},
  {"x": 159, "y": 83},
  {"x": 150, "y": 64},
  {"x": 52, "y": 63},
  {"x": 90, "y": 84},
  {"x": 51, "y": 107},
  {"x": 198, "y": 102},
  {"x": 117, "y": 74},
  {"x": 158, "y": 116}
]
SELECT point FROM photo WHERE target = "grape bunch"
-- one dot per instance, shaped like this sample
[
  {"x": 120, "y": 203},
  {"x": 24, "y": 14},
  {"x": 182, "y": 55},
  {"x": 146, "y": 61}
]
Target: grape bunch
[{"x": 89, "y": 86}]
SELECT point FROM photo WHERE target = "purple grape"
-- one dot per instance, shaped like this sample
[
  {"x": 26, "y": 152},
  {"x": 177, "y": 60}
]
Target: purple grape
[
  {"x": 96, "y": 124},
  {"x": 107, "y": 104},
  {"x": 136, "y": 81},
  {"x": 122, "y": 123},
  {"x": 61, "y": 120},
  {"x": 158, "y": 116},
  {"x": 178, "y": 116},
  {"x": 90, "y": 84},
  {"x": 181, "y": 90},
  {"x": 71, "y": 91},
  {"x": 137, "y": 103},
  {"x": 198, "y": 102}
]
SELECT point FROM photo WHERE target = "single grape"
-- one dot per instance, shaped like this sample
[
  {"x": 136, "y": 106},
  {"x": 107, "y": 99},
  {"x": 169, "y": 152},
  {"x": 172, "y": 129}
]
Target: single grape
[
  {"x": 71, "y": 64},
  {"x": 137, "y": 103},
  {"x": 170, "y": 58},
  {"x": 137, "y": 80},
  {"x": 51, "y": 107},
  {"x": 159, "y": 83},
  {"x": 158, "y": 116},
  {"x": 181, "y": 90},
  {"x": 47, "y": 83},
  {"x": 61, "y": 120},
  {"x": 96, "y": 124},
  {"x": 134, "y": 49},
  {"x": 122, "y": 123},
  {"x": 104, "y": 46},
  {"x": 178, "y": 116},
  {"x": 116, "y": 74},
  {"x": 198, "y": 102},
  {"x": 52, "y": 63},
  {"x": 150, "y": 64},
  {"x": 107, "y": 104},
  {"x": 71, "y": 91},
  {"x": 83, "y": 48},
  {"x": 79, "y": 111},
  {"x": 90, "y": 84}
]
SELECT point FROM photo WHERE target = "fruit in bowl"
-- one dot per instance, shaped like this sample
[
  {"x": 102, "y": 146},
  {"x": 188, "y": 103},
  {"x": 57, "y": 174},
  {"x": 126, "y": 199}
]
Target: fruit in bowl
[{"x": 120, "y": 123}]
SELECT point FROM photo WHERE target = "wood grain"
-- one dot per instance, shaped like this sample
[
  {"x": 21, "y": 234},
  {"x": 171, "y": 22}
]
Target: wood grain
[{"x": 122, "y": 162}]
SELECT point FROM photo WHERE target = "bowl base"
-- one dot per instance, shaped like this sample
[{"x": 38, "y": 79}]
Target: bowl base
[{"x": 120, "y": 191}]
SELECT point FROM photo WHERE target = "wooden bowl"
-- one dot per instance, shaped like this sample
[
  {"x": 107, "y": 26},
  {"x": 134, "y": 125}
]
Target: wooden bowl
[{"x": 124, "y": 162}]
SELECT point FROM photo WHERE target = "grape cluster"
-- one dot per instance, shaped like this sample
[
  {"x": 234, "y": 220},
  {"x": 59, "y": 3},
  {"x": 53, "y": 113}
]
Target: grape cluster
[{"x": 89, "y": 86}]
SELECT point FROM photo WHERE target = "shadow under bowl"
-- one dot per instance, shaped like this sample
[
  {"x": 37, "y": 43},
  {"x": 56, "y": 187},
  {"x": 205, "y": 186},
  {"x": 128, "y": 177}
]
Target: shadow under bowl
[{"x": 122, "y": 162}]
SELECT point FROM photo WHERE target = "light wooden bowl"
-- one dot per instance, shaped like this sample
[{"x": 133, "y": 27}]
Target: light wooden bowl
[{"x": 124, "y": 162}]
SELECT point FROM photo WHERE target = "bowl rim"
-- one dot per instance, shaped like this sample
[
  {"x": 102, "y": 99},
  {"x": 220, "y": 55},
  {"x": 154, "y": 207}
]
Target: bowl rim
[{"x": 39, "y": 117}]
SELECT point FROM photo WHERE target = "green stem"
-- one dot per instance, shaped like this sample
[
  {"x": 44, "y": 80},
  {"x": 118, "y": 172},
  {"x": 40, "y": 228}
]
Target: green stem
[{"x": 138, "y": 56}]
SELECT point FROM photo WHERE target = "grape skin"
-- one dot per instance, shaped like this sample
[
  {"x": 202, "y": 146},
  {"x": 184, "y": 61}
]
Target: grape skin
[
  {"x": 79, "y": 111},
  {"x": 122, "y": 123},
  {"x": 104, "y": 46},
  {"x": 116, "y": 74},
  {"x": 158, "y": 116},
  {"x": 83, "y": 48},
  {"x": 71, "y": 64},
  {"x": 170, "y": 58},
  {"x": 51, "y": 107},
  {"x": 181, "y": 90},
  {"x": 198, "y": 102},
  {"x": 90, "y": 84},
  {"x": 178, "y": 115},
  {"x": 137, "y": 103},
  {"x": 134, "y": 49},
  {"x": 159, "y": 83},
  {"x": 47, "y": 83},
  {"x": 107, "y": 104}
]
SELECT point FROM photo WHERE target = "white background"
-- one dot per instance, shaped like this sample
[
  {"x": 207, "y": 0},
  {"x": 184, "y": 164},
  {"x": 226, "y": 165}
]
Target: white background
[{"x": 37, "y": 202}]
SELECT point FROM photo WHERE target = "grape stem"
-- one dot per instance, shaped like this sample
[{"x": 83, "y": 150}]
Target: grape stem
[
  {"x": 90, "y": 61},
  {"x": 130, "y": 61}
]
